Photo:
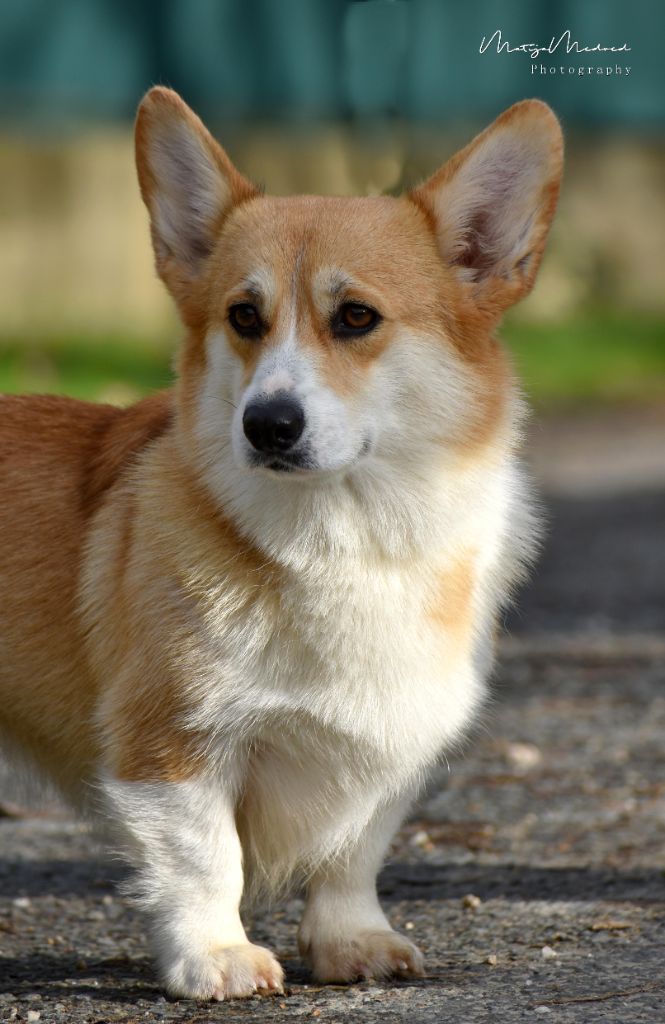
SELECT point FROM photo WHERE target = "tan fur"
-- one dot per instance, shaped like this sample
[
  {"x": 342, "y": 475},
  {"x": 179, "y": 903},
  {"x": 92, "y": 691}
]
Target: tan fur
[
  {"x": 175, "y": 528},
  {"x": 452, "y": 607},
  {"x": 59, "y": 459}
]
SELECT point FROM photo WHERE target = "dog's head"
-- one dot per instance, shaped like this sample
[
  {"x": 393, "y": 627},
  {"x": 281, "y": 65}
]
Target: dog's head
[{"x": 331, "y": 334}]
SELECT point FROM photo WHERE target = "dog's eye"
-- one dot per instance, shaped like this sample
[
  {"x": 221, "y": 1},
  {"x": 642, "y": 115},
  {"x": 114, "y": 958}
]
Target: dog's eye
[
  {"x": 354, "y": 318},
  {"x": 245, "y": 319}
]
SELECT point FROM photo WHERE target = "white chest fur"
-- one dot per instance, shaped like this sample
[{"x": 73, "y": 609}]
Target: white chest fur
[{"x": 360, "y": 652}]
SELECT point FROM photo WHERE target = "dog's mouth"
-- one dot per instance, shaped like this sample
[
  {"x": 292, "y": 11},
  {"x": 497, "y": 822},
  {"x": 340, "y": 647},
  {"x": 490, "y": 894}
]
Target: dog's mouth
[
  {"x": 301, "y": 463},
  {"x": 286, "y": 462},
  {"x": 285, "y": 465}
]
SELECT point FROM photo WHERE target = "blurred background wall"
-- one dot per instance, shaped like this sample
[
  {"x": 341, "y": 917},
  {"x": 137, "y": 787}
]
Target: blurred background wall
[{"x": 333, "y": 96}]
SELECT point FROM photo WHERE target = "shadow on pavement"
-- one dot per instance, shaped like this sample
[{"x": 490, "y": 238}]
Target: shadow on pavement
[
  {"x": 398, "y": 881},
  {"x": 120, "y": 979},
  {"x": 519, "y": 882},
  {"x": 61, "y": 878}
]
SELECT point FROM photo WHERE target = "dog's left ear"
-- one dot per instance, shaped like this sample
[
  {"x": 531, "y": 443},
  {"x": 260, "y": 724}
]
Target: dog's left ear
[{"x": 492, "y": 204}]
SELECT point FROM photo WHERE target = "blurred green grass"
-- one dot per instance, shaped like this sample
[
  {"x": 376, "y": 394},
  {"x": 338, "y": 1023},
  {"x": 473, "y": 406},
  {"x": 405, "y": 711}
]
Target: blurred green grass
[
  {"x": 608, "y": 358},
  {"x": 107, "y": 368},
  {"x": 590, "y": 357}
]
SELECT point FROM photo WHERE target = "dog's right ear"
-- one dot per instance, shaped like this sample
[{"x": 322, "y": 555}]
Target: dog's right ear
[{"x": 188, "y": 184}]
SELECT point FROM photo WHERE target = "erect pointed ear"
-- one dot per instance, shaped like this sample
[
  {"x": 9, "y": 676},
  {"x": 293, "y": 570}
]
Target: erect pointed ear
[
  {"x": 188, "y": 184},
  {"x": 492, "y": 203}
]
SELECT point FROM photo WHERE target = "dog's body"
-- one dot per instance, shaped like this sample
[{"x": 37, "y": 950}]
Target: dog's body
[{"x": 242, "y": 620}]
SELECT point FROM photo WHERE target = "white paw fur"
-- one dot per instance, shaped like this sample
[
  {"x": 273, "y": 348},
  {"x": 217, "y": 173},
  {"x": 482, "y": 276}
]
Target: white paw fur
[
  {"x": 366, "y": 954},
  {"x": 231, "y": 972}
]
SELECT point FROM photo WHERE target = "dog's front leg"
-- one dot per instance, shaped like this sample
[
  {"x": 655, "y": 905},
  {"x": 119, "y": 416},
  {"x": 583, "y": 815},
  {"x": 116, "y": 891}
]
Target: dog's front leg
[
  {"x": 344, "y": 934},
  {"x": 182, "y": 839}
]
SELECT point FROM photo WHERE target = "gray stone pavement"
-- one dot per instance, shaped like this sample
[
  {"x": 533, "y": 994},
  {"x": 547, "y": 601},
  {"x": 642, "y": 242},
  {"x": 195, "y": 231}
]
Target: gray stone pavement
[{"x": 533, "y": 871}]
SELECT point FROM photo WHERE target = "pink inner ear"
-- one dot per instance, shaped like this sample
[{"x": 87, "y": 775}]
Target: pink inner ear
[
  {"x": 493, "y": 202},
  {"x": 496, "y": 196},
  {"x": 488, "y": 209},
  {"x": 474, "y": 252}
]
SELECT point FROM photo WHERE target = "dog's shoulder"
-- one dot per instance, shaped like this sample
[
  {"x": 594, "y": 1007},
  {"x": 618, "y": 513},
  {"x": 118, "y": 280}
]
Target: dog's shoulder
[
  {"x": 31, "y": 425},
  {"x": 120, "y": 440},
  {"x": 54, "y": 442}
]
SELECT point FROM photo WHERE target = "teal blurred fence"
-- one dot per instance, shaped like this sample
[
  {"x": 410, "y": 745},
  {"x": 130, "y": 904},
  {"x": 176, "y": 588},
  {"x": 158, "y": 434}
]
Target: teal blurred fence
[{"x": 328, "y": 59}]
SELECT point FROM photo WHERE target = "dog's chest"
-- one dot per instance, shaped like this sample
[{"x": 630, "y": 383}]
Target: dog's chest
[
  {"x": 350, "y": 700},
  {"x": 370, "y": 656}
]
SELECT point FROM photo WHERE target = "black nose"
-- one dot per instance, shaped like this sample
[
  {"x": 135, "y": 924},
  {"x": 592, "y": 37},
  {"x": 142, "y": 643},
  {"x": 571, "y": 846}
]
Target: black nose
[{"x": 273, "y": 424}]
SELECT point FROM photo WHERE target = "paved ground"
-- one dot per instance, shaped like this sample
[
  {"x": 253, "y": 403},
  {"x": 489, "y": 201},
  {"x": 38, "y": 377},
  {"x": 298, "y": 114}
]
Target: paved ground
[{"x": 533, "y": 874}]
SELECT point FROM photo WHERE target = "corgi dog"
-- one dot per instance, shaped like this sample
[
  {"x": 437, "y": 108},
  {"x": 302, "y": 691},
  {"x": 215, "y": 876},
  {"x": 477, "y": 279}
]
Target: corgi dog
[{"x": 242, "y": 619}]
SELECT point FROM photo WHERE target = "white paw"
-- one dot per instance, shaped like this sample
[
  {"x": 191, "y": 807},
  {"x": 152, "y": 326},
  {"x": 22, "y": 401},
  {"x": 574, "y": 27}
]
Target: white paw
[
  {"x": 229, "y": 972},
  {"x": 367, "y": 954}
]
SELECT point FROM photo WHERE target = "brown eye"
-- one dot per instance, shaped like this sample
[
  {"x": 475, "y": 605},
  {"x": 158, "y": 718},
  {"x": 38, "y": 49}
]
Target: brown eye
[
  {"x": 245, "y": 319},
  {"x": 353, "y": 318}
]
